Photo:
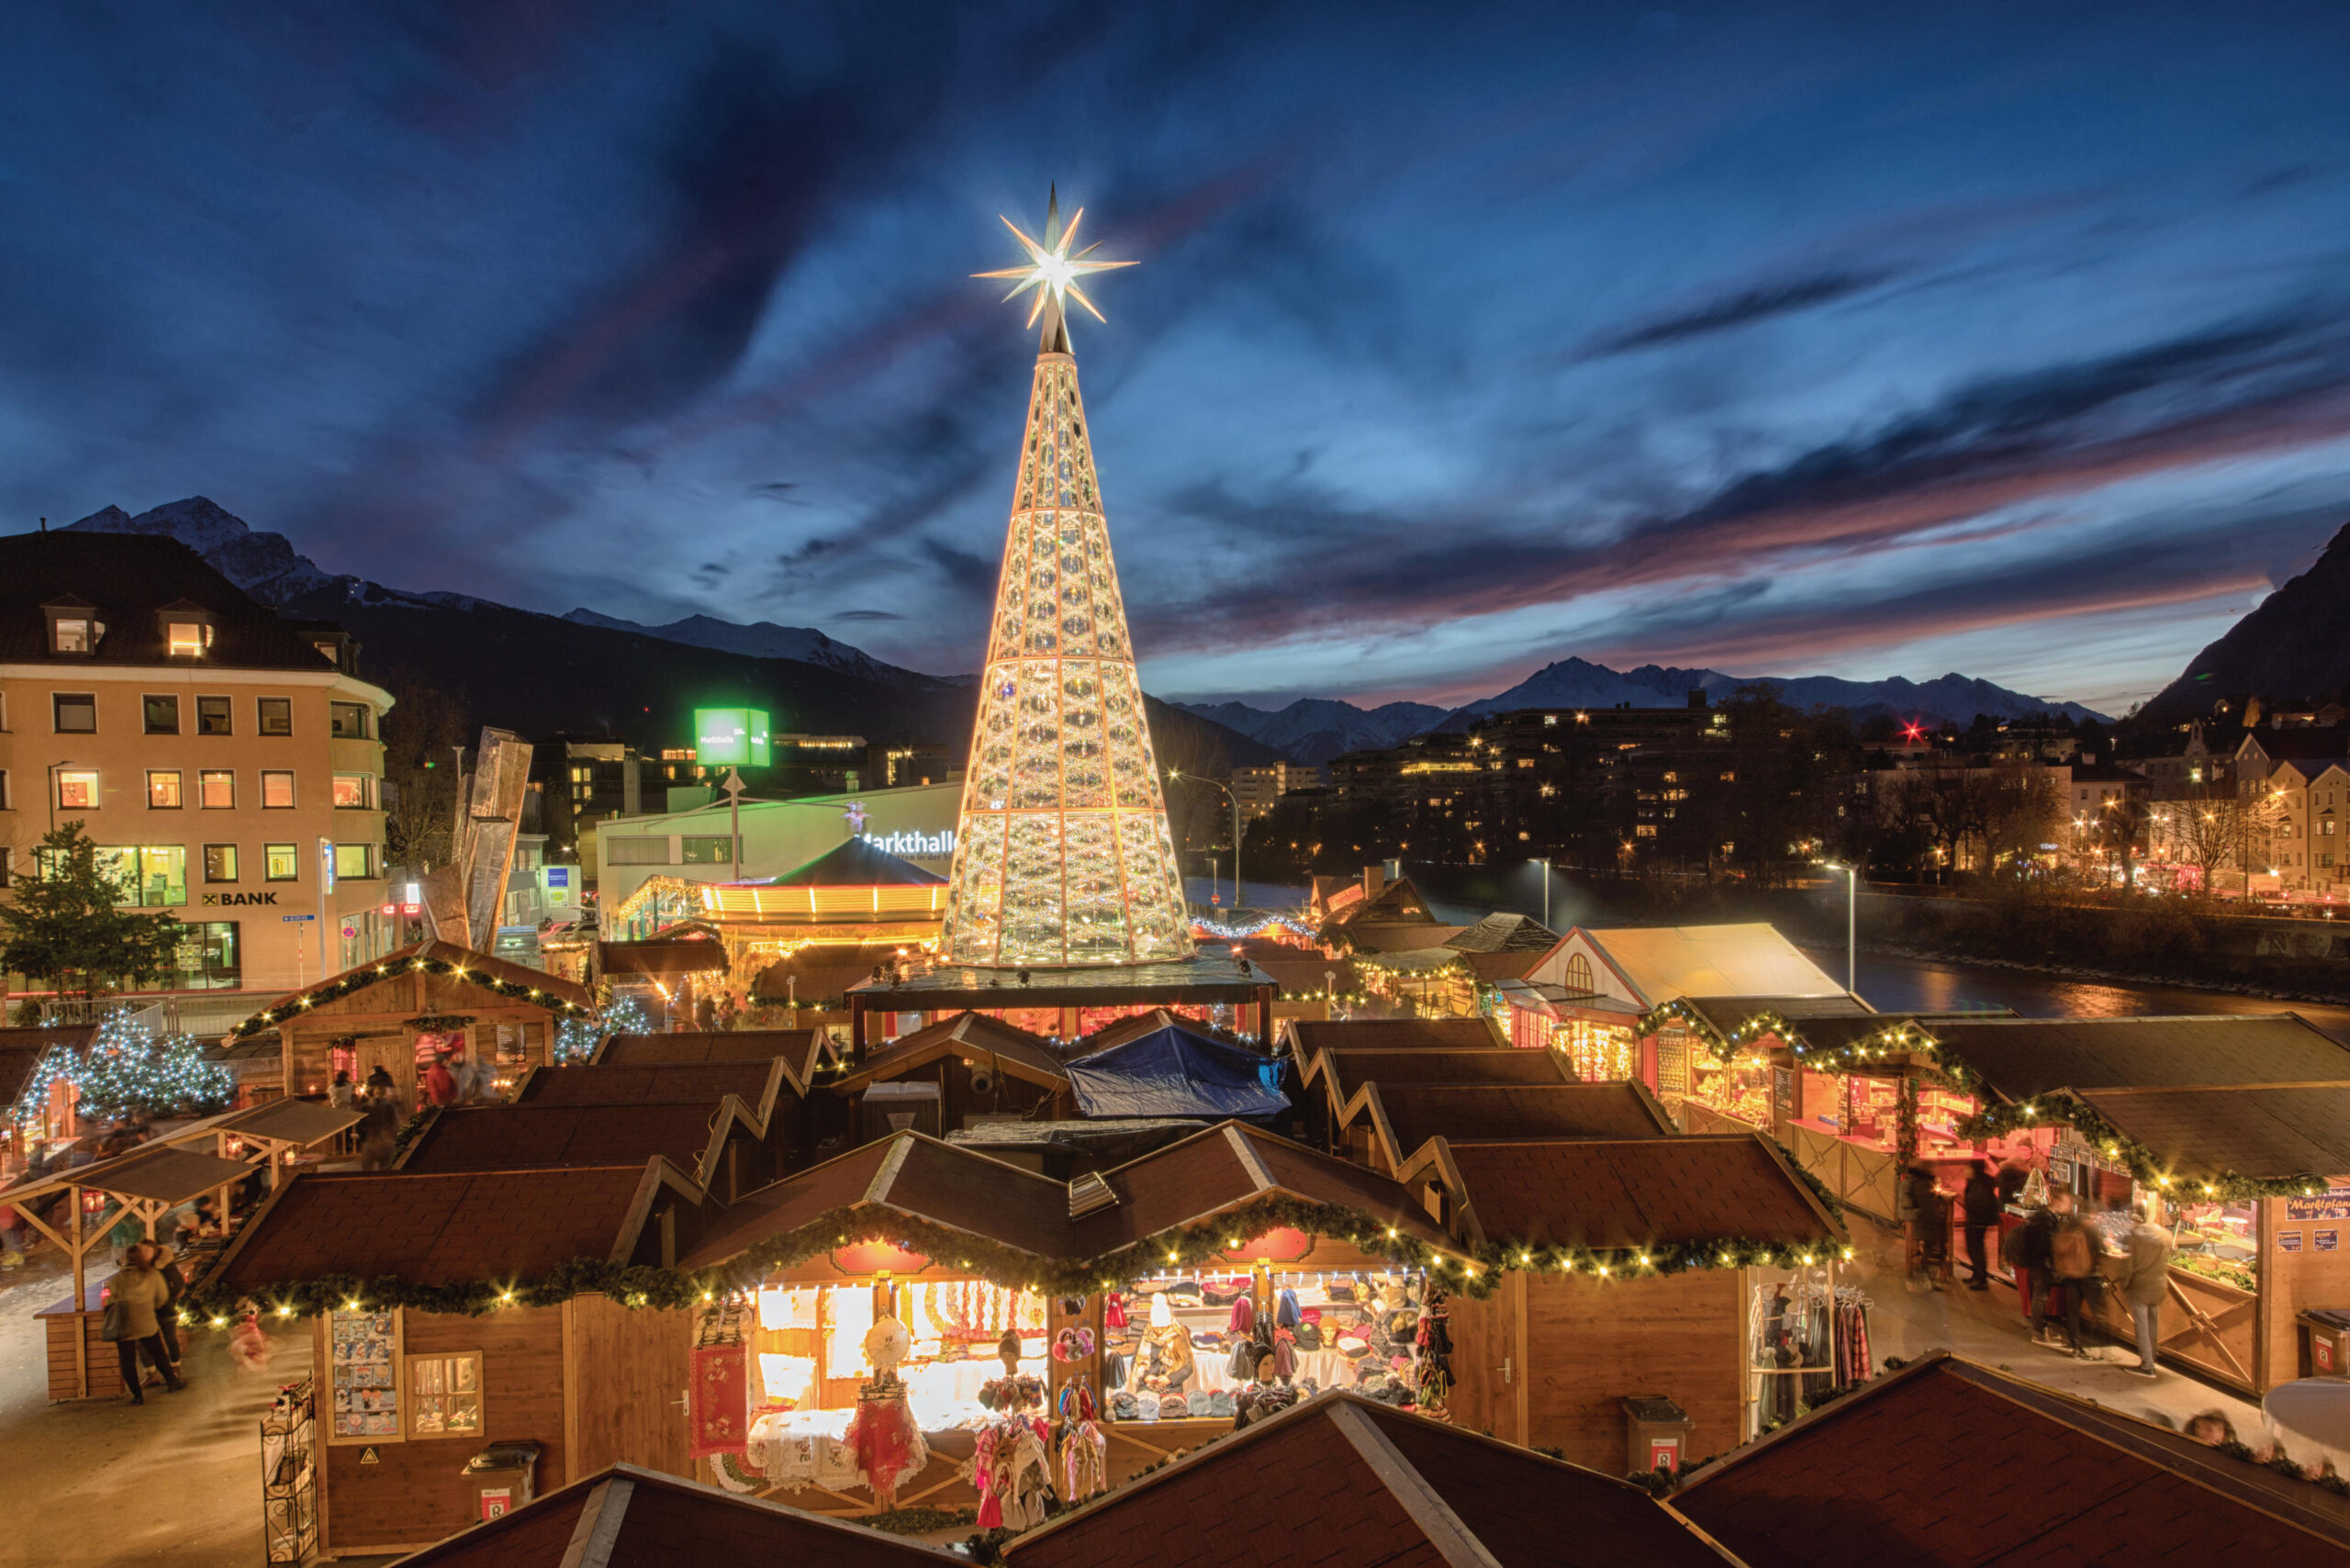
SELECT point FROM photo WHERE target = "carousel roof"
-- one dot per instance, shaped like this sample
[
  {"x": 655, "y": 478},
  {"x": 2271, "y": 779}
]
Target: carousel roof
[
  {"x": 630, "y": 1518},
  {"x": 1949, "y": 1461},
  {"x": 1342, "y": 1479}
]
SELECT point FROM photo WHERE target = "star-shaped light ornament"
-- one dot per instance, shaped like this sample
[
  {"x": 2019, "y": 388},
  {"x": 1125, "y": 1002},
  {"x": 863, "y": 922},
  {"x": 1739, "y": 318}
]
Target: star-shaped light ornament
[{"x": 1053, "y": 272}]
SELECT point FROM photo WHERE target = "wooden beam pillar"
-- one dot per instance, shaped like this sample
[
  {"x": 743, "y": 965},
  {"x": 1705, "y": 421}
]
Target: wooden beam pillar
[
  {"x": 1265, "y": 1015},
  {"x": 855, "y": 1030},
  {"x": 80, "y": 1330}
]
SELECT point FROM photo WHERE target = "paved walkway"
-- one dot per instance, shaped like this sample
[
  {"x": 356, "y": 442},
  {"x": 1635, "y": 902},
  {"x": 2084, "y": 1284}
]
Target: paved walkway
[
  {"x": 1989, "y": 1327},
  {"x": 105, "y": 1483}
]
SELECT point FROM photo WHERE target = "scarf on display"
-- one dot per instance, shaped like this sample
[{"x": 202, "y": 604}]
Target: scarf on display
[
  {"x": 1014, "y": 1472},
  {"x": 885, "y": 1436},
  {"x": 719, "y": 1420}
]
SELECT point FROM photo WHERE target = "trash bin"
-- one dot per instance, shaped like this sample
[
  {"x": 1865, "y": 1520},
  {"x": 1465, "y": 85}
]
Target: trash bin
[
  {"x": 2325, "y": 1341},
  {"x": 1659, "y": 1431},
  {"x": 504, "y": 1478}
]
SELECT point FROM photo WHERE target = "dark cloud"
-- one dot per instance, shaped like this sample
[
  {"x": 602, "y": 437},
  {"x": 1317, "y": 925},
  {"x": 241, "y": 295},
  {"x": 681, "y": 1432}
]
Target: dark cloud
[{"x": 1741, "y": 308}]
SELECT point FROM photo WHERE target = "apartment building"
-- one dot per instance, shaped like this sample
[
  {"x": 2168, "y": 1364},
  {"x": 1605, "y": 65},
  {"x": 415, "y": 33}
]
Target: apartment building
[
  {"x": 1259, "y": 787},
  {"x": 228, "y": 762}
]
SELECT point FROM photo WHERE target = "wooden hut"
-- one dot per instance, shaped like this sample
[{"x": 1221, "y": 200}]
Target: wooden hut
[
  {"x": 1344, "y": 1479},
  {"x": 400, "y": 1010},
  {"x": 1948, "y": 1460},
  {"x": 26, "y": 1057},
  {"x": 964, "y": 1068},
  {"x": 1382, "y": 1124},
  {"x": 406, "y": 1395},
  {"x": 1698, "y": 1237},
  {"x": 629, "y": 1517}
]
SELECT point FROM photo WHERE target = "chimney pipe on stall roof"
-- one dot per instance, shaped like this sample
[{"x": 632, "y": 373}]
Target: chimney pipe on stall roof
[{"x": 1374, "y": 882}]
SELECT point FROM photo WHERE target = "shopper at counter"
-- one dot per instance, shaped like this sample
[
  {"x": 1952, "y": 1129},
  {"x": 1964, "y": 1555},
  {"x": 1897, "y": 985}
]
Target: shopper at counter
[
  {"x": 2074, "y": 1248},
  {"x": 2146, "y": 1259},
  {"x": 1980, "y": 1201}
]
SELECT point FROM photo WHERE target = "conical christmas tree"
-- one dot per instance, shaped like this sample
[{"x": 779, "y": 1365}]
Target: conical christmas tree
[{"x": 1062, "y": 856}]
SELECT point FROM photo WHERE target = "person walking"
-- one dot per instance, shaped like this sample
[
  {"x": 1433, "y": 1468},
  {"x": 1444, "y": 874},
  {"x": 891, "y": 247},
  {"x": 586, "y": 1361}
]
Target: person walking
[
  {"x": 2144, "y": 1282},
  {"x": 12, "y": 1251},
  {"x": 439, "y": 1084},
  {"x": 378, "y": 1133},
  {"x": 2074, "y": 1248},
  {"x": 167, "y": 1320},
  {"x": 1980, "y": 1201},
  {"x": 342, "y": 1094},
  {"x": 2025, "y": 1250},
  {"x": 379, "y": 1083},
  {"x": 1918, "y": 1209},
  {"x": 133, "y": 1298}
]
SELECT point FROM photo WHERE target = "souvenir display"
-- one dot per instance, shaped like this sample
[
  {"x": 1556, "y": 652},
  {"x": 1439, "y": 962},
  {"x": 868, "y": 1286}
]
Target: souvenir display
[
  {"x": 365, "y": 1348},
  {"x": 884, "y": 1436},
  {"x": 1210, "y": 1346}
]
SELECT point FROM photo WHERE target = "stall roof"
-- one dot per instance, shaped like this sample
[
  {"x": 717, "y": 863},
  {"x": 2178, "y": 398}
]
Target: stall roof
[
  {"x": 544, "y": 1136},
  {"x": 1205, "y": 979},
  {"x": 1406, "y": 1115},
  {"x": 444, "y": 1229},
  {"x": 1134, "y": 1025},
  {"x": 299, "y": 1122},
  {"x": 1624, "y": 1192},
  {"x": 911, "y": 1173},
  {"x": 1415, "y": 960},
  {"x": 1175, "y": 1071},
  {"x": 1727, "y": 1014},
  {"x": 1230, "y": 1167},
  {"x": 461, "y": 957},
  {"x": 799, "y": 1049},
  {"x": 1948, "y": 1460},
  {"x": 2020, "y": 1058},
  {"x": 686, "y": 955},
  {"x": 1136, "y": 1134},
  {"x": 855, "y": 863},
  {"x": 1344, "y": 1073},
  {"x": 972, "y": 1037},
  {"x": 1310, "y": 1035},
  {"x": 154, "y": 1172},
  {"x": 1506, "y": 934},
  {"x": 759, "y": 1085},
  {"x": 1342, "y": 1479},
  {"x": 629, "y": 1518},
  {"x": 2267, "y": 1133},
  {"x": 1666, "y": 961}
]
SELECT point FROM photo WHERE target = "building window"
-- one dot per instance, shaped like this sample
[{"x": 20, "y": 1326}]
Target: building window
[
  {"x": 163, "y": 714},
  {"x": 219, "y": 862},
  {"x": 5, "y": 803},
  {"x": 354, "y": 862},
  {"x": 77, "y": 788},
  {"x": 148, "y": 876},
  {"x": 216, "y": 789},
  {"x": 637, "y": 851},
  {"x": 212, "y": 716},
  {"x": 277, "y": 790},
  {"x": 162, "y": 790},
  {"x": 7, "y": 866},
  {"x": 275, "y": 716},
  {"x": 207, "y": 956},
  {"x": 355, "y": 792},
  {"x": 73, "y": 634},
  {"x": 77, "y": 712},
  {"x": 186, "y": 639},
  {"x": 711, "y": 851},
  {"x": 349, "y": 721},
  {"x": 281, "y": 862},
  {"x": 1578, "y": 980},
  {"x": 445, "y": 1395}
]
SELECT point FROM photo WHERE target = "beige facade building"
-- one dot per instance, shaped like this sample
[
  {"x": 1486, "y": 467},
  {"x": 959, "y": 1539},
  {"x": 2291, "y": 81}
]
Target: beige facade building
[
  {"x": 1259, "y": 787},
  {"x": 227, "y": 763}
]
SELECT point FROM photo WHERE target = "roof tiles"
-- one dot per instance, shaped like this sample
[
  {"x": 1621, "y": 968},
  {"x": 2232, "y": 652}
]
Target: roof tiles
[{"x": 1634, "y": 1193}]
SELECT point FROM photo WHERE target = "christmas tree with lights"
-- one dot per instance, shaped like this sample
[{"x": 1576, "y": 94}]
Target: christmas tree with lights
[
  {"x": 129, "y": 1072},
  {"x": 1062, "y": 854}
]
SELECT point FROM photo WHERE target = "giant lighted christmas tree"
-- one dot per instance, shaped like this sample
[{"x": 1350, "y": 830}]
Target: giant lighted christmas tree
[{"x": 1062, "y": 856}]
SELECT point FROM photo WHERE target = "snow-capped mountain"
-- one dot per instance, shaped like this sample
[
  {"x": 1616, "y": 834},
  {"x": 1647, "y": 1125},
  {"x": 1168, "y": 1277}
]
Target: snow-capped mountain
[
  {"x": 1578, "y": 683},
  {"x": 759, "y": 640},
  {"x": 1315, "y": 729},
  {"x": 266, "y": 565}
]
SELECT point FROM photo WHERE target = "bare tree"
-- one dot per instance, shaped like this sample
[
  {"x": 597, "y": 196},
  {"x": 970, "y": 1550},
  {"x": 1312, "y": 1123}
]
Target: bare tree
[{"x": 420, "y": 733}]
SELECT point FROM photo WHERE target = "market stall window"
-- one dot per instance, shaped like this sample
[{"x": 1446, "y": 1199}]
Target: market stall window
[
  {"x": 1597, "y": 1053},
  {"x": 1247, "y": 1341},
  {"x": 1806, "y": 1337},
  {"x": 2219, "y": 1242},
  {"x": 443, "y": 1395},
  {"x": 1739, "y": 1088}
]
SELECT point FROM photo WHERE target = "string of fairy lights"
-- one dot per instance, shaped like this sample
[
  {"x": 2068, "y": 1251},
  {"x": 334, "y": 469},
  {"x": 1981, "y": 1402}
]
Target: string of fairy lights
[{"x": 129, "y": 1069}]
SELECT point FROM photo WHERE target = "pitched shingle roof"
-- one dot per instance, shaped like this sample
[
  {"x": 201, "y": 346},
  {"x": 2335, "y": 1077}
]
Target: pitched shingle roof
[
  {"x": 128, "y": 579},
  {"x": 1506, "y": 934},
  {"x": 526, "y": 1137},
  {"x": 1230, "y": 1167},
  {"x": 436, "y": 1229},
  {"x": 1949, "y": 1462},
  {"x": 801, "y": 1049},
  {"x": 970, "y": 1037},
  {"x": 2019, "y": 1057},
  {"x": 1606, "y": 1194},
  {"x": 1408, "y": 1115},
  {"x": 1341, "y": 1482},
  {"x": 2267, "y": 1134},
  {"x": 630, "y": 1518},
  {"x": 1347, "y": 1071},
  {"x": 702, "y": 1083}
]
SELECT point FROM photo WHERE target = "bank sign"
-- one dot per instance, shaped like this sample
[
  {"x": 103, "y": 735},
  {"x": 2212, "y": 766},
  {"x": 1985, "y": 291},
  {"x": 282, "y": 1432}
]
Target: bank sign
[{"x": 913, "y": 846}]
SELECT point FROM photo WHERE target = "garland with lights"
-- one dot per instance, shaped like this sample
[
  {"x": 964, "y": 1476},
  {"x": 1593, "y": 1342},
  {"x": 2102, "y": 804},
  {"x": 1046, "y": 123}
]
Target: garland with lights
[
  {"x": 1242, "y": 933},
  {"x": 1474, "y": 1271},
  {"x": 129, "y": 1069},
  {"x": 2061, "y": 1108},
  {"x": 439, "y": 1023},
  {"x": 376, "y": 974}
]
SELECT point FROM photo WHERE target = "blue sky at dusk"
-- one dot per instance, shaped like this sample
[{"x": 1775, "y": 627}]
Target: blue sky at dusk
[{"x": 1861, "y": 340}]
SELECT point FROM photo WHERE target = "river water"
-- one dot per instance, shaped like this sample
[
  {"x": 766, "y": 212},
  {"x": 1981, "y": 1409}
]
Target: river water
[{"x": 1917, "y": 985}]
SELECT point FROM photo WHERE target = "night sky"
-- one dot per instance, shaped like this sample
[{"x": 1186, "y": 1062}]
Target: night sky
[{"x": 1837, "y": 339}]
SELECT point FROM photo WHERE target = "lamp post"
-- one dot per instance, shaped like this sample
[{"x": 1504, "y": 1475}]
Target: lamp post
[
  {"x": 1545, "y": 864},
  {"x": 1195, "y": 779},
  {"x": 1852, "y": 922}
]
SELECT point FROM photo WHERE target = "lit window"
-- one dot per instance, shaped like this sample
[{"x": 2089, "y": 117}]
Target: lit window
[
  {"x": 77, "y": 788},
  {"x": 163, "y": 790},
  {"x": 352, "y": 861},
  {"x": 351, "y": 791},
  {"x": 282, "y": 862},
  {"x": 216, "y": 789},
  {"x": 186, "y": 639},
  {"x": 277, "y": 790},
  {"x": 71, "y": 634}
]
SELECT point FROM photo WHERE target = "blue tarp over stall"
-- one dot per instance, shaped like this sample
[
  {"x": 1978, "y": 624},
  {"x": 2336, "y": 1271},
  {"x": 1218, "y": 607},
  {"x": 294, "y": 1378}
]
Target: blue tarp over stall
[{"x": 1173, "y": 1072}]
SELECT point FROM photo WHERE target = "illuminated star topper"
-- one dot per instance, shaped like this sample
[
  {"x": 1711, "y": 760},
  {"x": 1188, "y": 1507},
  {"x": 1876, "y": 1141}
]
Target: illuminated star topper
[{"x": 1051, "y": 271}]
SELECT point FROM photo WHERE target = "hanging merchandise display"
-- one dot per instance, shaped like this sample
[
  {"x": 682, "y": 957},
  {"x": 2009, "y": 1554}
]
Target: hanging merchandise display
[
  {"x": 1062, "y": 854},
  {"x": 883, "y": 1434},
  {"x": 1237, "y": 1345}
]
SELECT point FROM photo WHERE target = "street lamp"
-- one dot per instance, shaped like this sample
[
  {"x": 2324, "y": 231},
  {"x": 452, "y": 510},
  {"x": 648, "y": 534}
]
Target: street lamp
[
  {"x": 1195, "y": 779},
  {"x": 1545, "y": 864},
  {"x": 1852, "y": 922}
]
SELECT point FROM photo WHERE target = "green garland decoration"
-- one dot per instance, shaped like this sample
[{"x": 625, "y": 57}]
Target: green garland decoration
[
  {"x": 1901, "y": 1037},
  {"x": 2062, "y": 1108},
  {"x": 438, "y": 1023},
  {"x": 376, "y": 974},
  {"x": 1471, "y": 1271}
]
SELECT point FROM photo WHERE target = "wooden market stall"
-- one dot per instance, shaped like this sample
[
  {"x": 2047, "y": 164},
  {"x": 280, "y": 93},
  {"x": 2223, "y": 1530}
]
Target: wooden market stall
[
  {"x": 36, "y": 1107},
  {"x": 443, "y": 1357},
  {"x": 1383, "y": 1124},
  {"x": 1064, "y": 1004},
  {"x": 966, "y": 1067},
  {"x": 1700, "y": 1269},
  {"x": 399, "y": 1011}
]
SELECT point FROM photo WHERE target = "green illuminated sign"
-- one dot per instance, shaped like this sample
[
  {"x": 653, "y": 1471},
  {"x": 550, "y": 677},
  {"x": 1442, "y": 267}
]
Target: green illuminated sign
[{"x": 738, "y": 735}]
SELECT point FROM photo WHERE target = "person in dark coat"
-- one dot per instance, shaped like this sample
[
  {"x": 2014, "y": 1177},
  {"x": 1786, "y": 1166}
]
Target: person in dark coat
[{"x": 1980, "y": 1204}]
